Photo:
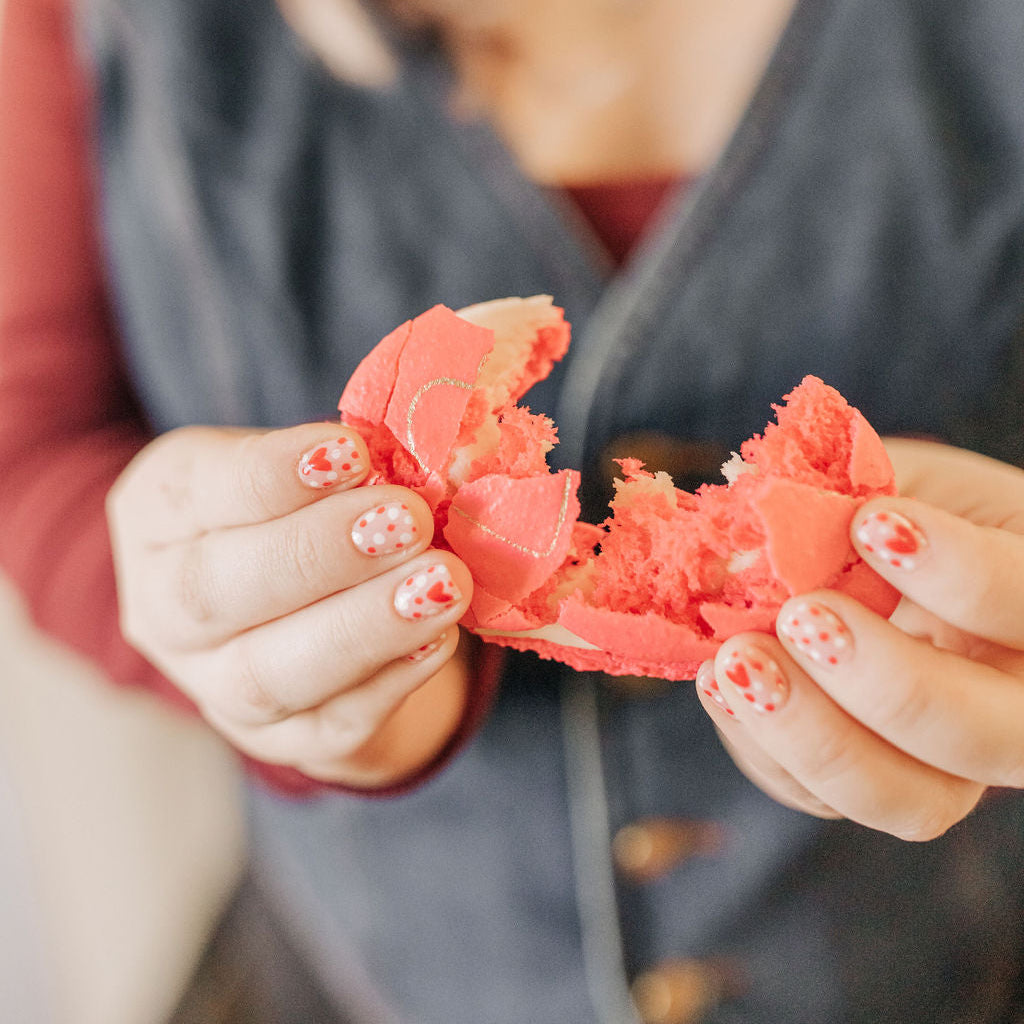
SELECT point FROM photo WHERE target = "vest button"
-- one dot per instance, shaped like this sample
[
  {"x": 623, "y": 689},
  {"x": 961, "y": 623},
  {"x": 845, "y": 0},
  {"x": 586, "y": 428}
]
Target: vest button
[
  {"x": 682, "y": 991},
  {"x": 649, "y": 849}
]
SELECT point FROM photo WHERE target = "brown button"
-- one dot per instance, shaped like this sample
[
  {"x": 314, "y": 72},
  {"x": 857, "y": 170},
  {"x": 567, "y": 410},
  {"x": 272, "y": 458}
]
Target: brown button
[
  {"x": 683, "y": 991},
  {"x": 648, "y": 849}
]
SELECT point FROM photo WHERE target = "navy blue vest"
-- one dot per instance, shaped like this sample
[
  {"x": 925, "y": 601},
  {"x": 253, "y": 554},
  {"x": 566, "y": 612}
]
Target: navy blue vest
[{"x": 267, "y": 224}]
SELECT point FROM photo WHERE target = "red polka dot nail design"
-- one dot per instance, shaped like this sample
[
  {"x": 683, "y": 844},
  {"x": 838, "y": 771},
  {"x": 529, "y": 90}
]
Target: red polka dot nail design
[
  {"x": 892, "y": 537},
  {"x": 424, "y": 652},
  {"x": 385, "y": 529},
  {"x": 426, "y": 592},
  {"x": 817, "y": 632},
  {"x": 757, "y": 678},
  {"x": 708, "y": 685},
  {"x": 334, "y": 462}
]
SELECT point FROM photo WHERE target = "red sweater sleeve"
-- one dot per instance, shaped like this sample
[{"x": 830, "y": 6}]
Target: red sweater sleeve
[{"x": 68, "y": 422}]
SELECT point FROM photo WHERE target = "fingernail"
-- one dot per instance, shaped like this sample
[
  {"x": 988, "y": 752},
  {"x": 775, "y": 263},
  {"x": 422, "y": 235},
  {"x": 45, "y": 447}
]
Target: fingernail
[
  {"x": 817, "y": 632},
  {"x": 384, "y": 529},
  {"x": 426, "y": 593},
  {"x": 893, "y": 537},
  {"x": 708, "y": 685},
  {"x": 331, "y": 463},
  {"x": 758, "y": 678},
  {"x": 424, "y": 652}
]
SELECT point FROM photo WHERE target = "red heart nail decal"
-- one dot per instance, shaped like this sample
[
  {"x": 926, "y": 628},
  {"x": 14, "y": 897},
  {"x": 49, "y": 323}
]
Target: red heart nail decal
[
  {"x": 893, "y": 537},
  {"x": 760, "y": 679},
  {"x": 903, "y": 541},
  {"x": 426, "y": 592},
  {"x": 319, "y": 461},
  {"x": 738, "y": 674}
]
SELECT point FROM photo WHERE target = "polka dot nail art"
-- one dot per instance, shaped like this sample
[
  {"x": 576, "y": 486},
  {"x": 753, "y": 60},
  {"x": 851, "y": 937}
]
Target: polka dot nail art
[
  {"x": 758, "y": 679},
  {"x": 424, "y": 652},
  {"x": 426, "y": 593},
  {"x": 385, "y": 529},
  {"x": 892, "y": 537},
  {"x": 817, "y": 632},
  {"x": 708, "y": 685},
  {"x": 332, "y": 463}
]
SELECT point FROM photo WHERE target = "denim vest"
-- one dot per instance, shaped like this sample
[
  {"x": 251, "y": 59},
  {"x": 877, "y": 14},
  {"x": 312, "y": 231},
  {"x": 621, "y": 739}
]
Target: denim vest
[{"x": 267, "y": 224}]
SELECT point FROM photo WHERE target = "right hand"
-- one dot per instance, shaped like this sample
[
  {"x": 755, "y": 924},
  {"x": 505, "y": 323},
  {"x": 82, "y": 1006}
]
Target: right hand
[{"x": 250, "y": 584}]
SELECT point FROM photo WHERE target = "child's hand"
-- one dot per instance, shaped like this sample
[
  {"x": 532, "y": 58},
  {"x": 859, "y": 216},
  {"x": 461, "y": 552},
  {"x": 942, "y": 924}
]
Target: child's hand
[
  {"x": 902, "y": 724},
  {"x": 305, "y": 615}
]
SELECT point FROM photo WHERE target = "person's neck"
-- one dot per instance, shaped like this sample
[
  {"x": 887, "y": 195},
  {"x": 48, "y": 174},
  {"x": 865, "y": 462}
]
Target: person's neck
[{"x": 602, "y": 90}]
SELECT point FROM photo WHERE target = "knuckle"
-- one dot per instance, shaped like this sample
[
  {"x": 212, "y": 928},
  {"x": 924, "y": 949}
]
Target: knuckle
[
  {"x": 1012, "y": 522},
  {"x": 248, "y": 694},
  {"x": 352, "y": 636},
  {"x": 341, "y": 733},
  {"x": 981, "y": 588},
  {"x": 193, "y": 592},
  {"x": 904, "y": 707},
  {"x": 169, "y": 471},
  {"x": 255, "y": 479},
  {"x": 305, "y": 554},
  {"x": 139, "y": 616},
  {"x": 830, "y": 758}
]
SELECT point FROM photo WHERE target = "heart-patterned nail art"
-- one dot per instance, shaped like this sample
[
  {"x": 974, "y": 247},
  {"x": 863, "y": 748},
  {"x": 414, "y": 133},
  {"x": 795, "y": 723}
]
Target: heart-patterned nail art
[
  {"x": 331, "y": 463},
  {"x": 817, "y": 632},
  {"x": 426, "y": 592},
  {"x": 757, "y": 678},
  {"x": 893, "y": 537},
  {"x": 385, "y": 529}
]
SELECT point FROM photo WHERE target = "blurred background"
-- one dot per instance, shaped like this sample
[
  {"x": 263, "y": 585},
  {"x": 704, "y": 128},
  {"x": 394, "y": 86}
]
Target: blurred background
[{"x": 120, "y": 840}]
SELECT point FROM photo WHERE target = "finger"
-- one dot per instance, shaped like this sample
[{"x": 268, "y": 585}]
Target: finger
[
  {"x": 339, "y": 727},
  {"x": 766, "y": 773},
  {"x": 949, "y": 711},
  {"x": 965, "y": 483},
  {"x": 209, "y": 478},
  {"x": 832, "y": 755},
  {"x": 297, "y": 662},
  {"x": 968, "y": 575},
  {"x": 229, "y": 581}
]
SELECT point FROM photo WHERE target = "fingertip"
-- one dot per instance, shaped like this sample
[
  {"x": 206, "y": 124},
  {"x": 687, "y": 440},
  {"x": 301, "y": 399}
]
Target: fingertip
[
  {"x": 334, "y": 460},
  {"x": 441, "y": 648},
  {"x": 463, "y": 578},
  {"x": 888, "y": 535},
  {"x": 439, "y": 583},
  {"x": 392, "y": 521},
  {"x": 813, "y": 627},
  {"x": 707, "y": 685},
  {"x": 752, "y": 671}
]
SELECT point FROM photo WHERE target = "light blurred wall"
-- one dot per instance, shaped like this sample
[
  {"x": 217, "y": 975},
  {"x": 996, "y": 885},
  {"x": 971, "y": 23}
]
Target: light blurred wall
[{"x": 120, "y": 839}]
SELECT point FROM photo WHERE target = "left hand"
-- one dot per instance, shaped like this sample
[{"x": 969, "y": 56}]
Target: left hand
[{"x": 900, "y": 725}]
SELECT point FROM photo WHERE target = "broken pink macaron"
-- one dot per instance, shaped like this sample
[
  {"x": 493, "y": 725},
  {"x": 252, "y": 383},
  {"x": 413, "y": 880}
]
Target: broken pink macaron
[{"x": 656, "y": 588}]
